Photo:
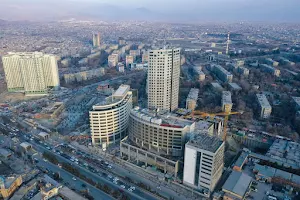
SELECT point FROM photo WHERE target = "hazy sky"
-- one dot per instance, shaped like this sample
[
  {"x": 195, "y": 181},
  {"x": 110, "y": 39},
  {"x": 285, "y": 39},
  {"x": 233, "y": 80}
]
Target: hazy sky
[{"x": 215, "y": 10}]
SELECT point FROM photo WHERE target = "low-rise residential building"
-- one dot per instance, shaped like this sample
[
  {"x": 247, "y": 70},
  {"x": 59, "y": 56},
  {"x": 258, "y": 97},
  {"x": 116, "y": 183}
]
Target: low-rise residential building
[
  {"x": 191, "y": 101},
  {"x": 243, "y": 70},
  {"x": 234, "y": 86},
  {"x": 200, "y": 74},
  {"x": 272, "y": 62},
  {"x": 222, "y": 73},
  {"x": 236, "y": 186},
  {"x": 226, "y": 101},
  {"x": 203, "y": 163},
  {"x": 270, "y": 69},
  {"x": 265, "y": 108}
]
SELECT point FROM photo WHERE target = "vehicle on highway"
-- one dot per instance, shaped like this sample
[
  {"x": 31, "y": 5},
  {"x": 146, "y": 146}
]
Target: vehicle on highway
[
  {"x": 74, "y": 179},
  {"x": 122, "y": 186}
]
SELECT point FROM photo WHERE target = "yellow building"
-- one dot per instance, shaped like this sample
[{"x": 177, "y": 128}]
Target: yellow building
[{"x": 9, "y": 185}]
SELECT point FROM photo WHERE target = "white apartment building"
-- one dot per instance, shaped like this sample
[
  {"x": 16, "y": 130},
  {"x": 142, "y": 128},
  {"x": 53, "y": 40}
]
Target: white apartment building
[
  {"x": 226, "y": 101},
  {"x": 32, "y": 73},
  {"x": 203, "y": 163},
  {"x": 109, "y": 119},
  {"x": 163, "y": 79},
  {"x": 265, "y": 108},
  {"x": 129, "y": 60},
  {"x": 113, "y": 60}
]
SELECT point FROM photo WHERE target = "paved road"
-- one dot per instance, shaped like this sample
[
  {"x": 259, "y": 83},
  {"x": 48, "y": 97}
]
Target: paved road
[
  {"x": 137, "y": 195},
  {"x": 67, "y": 178}
]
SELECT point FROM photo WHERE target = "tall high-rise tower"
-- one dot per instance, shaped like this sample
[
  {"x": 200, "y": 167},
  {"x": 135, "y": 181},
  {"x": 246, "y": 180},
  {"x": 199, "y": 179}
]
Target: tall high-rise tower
[
  {"x": 96, "y": 40},
  {"x": 163, "y": 79},
  {"x": 32, "y": 73}
]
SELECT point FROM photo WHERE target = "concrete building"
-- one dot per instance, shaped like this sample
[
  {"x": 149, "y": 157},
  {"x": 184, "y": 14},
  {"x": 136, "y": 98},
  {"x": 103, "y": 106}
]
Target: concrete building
[
  {"x": 113, "y": 60},
  {"x": 122, "y": 41},
  {"x": 265, "y": 108},
  {"x": 217, "y": 87},
  {"x": 129, "y": 60},
  {"x": 236, "y": 186},
  {"x": 33, "y": 73},
  {"x": 109, "y": 119},
  {"x": 8, "y": 185},
  {"x": 200, "y": 73},
  {"x": 296, "y": 102},
  {"x": 286, "y": 61},
  {"x": 203, "y": 163},
  {"x": 270, "y": 69},
  {"x": 243, "y": 70},
  {"x": 239, "y": 63},
  {"x": 163, "y": 79},
  {"x": 234, "y": 86},
  {"x": 222, "y": 73},
  {"x": 226, "y": 101},
  {"x": 145, "y": 57},
  {"x": 96, "y": 40},
  {"x": 121, "y": 67},
  {"x": 272, "y": 62},
  {"x": 159, "y": 133},
  {"x": 191, "y": 100},
  {"x": 135, "y": 53}
]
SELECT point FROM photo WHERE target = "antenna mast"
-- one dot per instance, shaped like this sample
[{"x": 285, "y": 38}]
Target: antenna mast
[{"x": 228, "y": 40}]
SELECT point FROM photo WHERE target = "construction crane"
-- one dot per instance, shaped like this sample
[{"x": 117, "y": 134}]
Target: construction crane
[{"x": 212, "y": 116}]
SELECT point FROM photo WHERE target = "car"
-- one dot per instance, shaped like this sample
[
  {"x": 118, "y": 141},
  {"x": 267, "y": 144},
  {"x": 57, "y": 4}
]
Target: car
[
  {"x": 109, "y": 166},
  {"x": 130, "y": 190},
  {"x": 122, "y": 186},
  {"x": 109, "y": 176},
  {"x": 45, "y": 160},
  {"x": 132, "y": 187},
  {"x": 74, "y": 179}
]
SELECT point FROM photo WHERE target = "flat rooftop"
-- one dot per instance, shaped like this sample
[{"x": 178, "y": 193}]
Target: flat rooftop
[
  {"x": 226, "y": 97},
  {"x": 222, "y": 70},
  {"x": 69, "y": 194},
  {"x": 121, "y": 91},
  {"x": 205, "y": 142},
  {"x": 297, "y": 100},
  {"x": 161, "y": 119},
  {"x": 193, "y": 94},
  {"x": 237, "y": 183},
  {"x": 235, "y": 86},
  {"x": 263, "y": 101},
  {"x": 217, "y": 85},
  {"x": 239, "y": 162}
]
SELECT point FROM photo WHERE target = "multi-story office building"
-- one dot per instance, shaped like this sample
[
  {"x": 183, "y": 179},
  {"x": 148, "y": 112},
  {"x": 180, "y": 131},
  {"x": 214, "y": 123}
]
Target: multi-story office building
[
  {"x": 226, "y": 101},
  {"x": 163, "y": 79},
  {"x": 32, "y": 73},
  {"x": 203, "y": 163},
  {"x": 109, "y": 119},
  {"x": 156, "y": 139},
  {"x": 265, "y": 108},
  {"x": 113, "y": 60},
  {"x": 145, "y": 57},
  {"x": 222, "y": 73},
  {"x": 96, "y": 40},
  {"x": 161, "y": 133},
  {"x": 270, "y": 69},
  {"x": 191, "y": 101},
  {"x": 129, "y": 60},
  {"x": 121, "y": 67}
]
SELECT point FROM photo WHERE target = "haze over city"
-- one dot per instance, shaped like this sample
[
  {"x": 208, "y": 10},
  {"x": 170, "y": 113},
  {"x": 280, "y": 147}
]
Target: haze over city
[
  {"x": 155, "y": 10},
  {"x": 149, "y": 100}
]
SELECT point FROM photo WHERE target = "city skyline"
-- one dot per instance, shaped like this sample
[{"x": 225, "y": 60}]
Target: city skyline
[{"x": 180, "y": 11}]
